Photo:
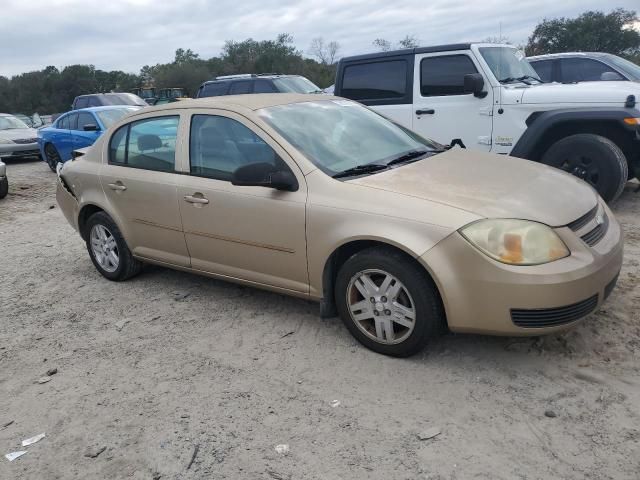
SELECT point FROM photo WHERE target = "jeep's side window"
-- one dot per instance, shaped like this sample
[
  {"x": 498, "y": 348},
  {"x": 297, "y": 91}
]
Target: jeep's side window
[
  {"x": 214, "y": 89},
  {"x": 444, "y": 75},
  {"x": 376, "y": 80},
  {"x": 238, "y": 88}
]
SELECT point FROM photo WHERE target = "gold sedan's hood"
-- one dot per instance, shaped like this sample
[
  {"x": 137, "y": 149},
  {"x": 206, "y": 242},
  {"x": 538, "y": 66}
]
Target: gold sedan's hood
[{"x": 492, "y": 186}]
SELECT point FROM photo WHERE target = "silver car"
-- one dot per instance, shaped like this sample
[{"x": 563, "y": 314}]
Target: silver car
[{"x": 17, "y": 139}]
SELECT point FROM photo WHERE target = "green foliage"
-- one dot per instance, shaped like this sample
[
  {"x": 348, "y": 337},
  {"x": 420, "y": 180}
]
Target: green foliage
[{"x": 591, "y": 31}]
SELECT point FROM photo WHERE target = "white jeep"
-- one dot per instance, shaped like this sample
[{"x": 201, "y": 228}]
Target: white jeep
[{"x": 488, "y": 97}]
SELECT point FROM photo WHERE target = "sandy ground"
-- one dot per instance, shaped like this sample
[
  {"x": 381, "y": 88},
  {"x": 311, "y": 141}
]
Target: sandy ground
[{"x": 232, "y": 372}]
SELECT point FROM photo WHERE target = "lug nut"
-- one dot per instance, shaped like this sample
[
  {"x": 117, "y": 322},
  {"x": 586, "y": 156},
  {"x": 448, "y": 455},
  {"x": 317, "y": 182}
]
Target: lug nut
[
  {"x": 387, "y": 312},
  {"x": 376, "y": 313},
  {"x": 373, "y": 300},
  {"x": 383, "y": 299}
]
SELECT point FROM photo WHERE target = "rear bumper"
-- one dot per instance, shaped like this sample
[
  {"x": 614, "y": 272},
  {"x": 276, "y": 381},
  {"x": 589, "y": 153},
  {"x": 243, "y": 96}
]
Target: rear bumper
[
  {"x": 481, "y": 295},
  {"x": 14, "y": 150},
  {"x": 67, "y": 203}
]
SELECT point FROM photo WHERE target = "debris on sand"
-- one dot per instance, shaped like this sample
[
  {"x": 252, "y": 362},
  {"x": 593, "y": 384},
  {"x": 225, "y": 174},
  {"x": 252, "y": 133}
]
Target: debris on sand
[
  {"x": 44, "y": 379},
  {"x": 93, "y": 452},
  {"x": 282, "y": 449},
  {"x": 335, "y": 403},
  {"x": 429, "y": 433},
  {"x": 52, "y": 371},
  {"x": 13, "y": 455},
  {"x": 550, "y": 414},
  {"x": 121, "y": 323},
  {"x": 178, "y": 296},
  {"x": 193, "y": 457},
  {"x": 32, "y": 440}
]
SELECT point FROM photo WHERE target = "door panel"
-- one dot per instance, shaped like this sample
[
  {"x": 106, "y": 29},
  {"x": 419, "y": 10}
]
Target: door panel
[
  {"x": 255, "y": 234},
  {"x": 442, "y": 111},
  {"x": 140, "y": 184}
]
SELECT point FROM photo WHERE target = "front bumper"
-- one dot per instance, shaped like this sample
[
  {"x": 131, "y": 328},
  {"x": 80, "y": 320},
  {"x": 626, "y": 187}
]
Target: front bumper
[
  {"x": 481, "y": 295},
  {"x": 17, "y": 150}
]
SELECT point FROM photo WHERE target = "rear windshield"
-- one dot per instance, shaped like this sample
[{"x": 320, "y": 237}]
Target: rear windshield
[
  {"x": 296, "y": 85},
  {"x": 120, "y": 99},
  {"x": 109, "y": 117}
]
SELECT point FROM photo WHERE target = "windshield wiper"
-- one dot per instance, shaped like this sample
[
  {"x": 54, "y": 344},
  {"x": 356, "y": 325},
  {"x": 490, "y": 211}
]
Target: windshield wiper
[
  {"x": 513, "y": 79},
  {"x": 360, "y": 169},
  {"x": 531, "y": 77},
  {"x": 408, "y": 156}
]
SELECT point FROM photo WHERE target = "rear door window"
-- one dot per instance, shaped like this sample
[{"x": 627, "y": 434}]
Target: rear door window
[
  {"x": 444, "y": 75},
  {"x": 214, "y": 89},
  {"x": 73, "y": 121},
  {"x": 239, "y": 88},
  {"x": 149, "y": 144},
  {"x": 376, "y": 80}
]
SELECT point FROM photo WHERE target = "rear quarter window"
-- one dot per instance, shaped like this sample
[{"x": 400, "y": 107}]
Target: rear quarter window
[{"x": 385, "y": 80}]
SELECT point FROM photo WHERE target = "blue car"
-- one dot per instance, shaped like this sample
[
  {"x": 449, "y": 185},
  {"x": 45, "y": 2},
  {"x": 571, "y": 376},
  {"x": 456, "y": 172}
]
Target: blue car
[{"x": 77, "y": 129}]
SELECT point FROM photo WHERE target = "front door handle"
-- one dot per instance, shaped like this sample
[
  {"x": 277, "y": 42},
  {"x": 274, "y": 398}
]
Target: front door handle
[
  {"x": 198, "y": 200},
  {"x": 118, "y": 186},
  {"x": 428, "y": 111}
]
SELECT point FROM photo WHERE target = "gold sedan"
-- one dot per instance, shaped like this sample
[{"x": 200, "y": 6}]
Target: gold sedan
[{"x": 321, "y": 198}]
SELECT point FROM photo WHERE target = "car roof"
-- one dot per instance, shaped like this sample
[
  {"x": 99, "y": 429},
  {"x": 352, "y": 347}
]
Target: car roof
[
  {"x": 105, "y": 107},
  {"x": 107, "y": 94},
  {"x": 232, "y": 78},
  {"x": 409, "y": 51},
  {"x": 240, "y": 102},
  {"x": 568, "y": 54}
]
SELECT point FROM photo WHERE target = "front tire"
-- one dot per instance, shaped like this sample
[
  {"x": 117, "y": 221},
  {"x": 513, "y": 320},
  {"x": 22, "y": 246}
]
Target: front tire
[
  {"x": 595, "y": 159},
  {"x": 388, "y": 302},
  {"x": 108, "y": 250},
  {"x": 52, "y": 156}
]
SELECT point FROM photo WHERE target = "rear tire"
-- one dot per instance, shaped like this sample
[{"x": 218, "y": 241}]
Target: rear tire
[
  {"x": 4, "y": 187},
  {"x": 593, "y": 158},
  {"x": 108, "y": 250},
  {"x": 388, "y": 302}
]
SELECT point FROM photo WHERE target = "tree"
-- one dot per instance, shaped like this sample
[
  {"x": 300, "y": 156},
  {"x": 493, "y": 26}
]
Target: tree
[
  {"x": 591, "y": 31},
  {"x": 326, "y": 53},
  {"x": 410, "y": 41},
  {"x": 382, "y": 44}
]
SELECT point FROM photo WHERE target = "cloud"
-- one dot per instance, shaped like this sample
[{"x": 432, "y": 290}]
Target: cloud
[{"x": 127, "y": 34}]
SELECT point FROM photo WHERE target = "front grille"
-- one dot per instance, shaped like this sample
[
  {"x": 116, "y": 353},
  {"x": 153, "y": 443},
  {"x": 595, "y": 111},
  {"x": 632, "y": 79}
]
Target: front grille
[
  {"x": 600, "y": 230},
  {"x": 24, "y": 141},
  {"x": 583, "y": 220},
  {"x": 610, "y": 286},
  {"x": 551, "y": 317}
]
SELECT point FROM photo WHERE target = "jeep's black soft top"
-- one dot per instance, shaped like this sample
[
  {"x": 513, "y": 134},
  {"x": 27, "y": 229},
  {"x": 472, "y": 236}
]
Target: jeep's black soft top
[{"x": 408, "y": 51}]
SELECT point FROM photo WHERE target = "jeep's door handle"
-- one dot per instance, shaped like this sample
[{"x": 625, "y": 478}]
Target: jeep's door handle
[
  {"x": 198, "y": 200},
  {"x": 118, "y": 186},
  {"x": 428, "y": 111}
]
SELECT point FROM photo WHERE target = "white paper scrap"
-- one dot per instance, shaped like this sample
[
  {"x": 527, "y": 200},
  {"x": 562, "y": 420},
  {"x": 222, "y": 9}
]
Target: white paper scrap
[
  {"x": 32, "y": 440},
  {"x": 13, "y": 455}
]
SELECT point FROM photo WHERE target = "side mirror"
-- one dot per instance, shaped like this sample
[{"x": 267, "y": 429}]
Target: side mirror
[
  {"x": 474, "y": 83},
  {"x": 264, "y": 175},
  {"x": 91, "y": 127}
]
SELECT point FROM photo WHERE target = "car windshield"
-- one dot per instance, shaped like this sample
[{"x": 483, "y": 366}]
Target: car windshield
[
  {"x": 629, "y": 68},
  {"x": 508, "y": 64},
  {"x": 9, "y": 122},
  {"x": 111, "y": 116},
  {"x": 338, "y": 135},
  {"x": 296, "y": 85},
  {"x": 122, "y": 99}
]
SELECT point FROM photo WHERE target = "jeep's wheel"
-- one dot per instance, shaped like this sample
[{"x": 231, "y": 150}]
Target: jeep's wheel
[
  {"x": 388, "y": 302},
  {"x": 593, "y": 158}
]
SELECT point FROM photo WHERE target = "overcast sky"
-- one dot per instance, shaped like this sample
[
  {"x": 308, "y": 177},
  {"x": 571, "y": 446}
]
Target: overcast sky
[{"x": 127, "y": 34}]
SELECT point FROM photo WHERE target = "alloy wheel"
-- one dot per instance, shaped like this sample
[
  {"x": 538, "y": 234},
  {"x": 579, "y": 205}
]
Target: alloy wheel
[
  {"x": 104, "y": 248},
  {"x": 381, "y": 306}
]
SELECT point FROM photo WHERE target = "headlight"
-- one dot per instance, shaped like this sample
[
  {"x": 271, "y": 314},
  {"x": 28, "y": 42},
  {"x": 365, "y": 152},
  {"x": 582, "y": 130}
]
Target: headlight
[{"x": 516, "y": 242}]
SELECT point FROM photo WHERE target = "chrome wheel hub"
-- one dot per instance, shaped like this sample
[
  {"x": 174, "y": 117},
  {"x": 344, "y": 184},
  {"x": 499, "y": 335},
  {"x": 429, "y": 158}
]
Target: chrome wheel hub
[
  {"x": 104, "y": 248},
  {"x": 381, "y": 306}
]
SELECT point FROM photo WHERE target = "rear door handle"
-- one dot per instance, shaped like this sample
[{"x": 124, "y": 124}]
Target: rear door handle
[
  {"x": 118, "y": 186},
  {"x": 198, "y": 200},
  {"x": 428, "y": 111}
]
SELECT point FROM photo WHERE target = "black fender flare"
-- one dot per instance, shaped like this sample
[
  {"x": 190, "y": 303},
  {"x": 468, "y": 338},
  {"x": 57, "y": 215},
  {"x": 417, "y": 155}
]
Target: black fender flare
[{"x": 539, "y": 123}]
